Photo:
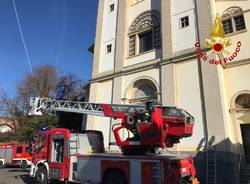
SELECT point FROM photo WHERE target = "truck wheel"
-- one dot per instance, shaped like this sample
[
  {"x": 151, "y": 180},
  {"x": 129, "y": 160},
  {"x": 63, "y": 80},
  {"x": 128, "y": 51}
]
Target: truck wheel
[
  {"x": 186, "y": 180},
  {"x": 115, "y": 177},
  {"x": 24, "y": 164},
  {"x": 41, "y": 176}
]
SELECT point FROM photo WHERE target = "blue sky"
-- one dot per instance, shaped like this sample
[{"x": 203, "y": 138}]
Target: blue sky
[{"x": 56, "y": 32}]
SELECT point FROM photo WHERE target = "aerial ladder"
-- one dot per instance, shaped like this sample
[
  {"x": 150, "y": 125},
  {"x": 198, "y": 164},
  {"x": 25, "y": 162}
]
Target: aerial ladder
[
  {"x": 149, "y": 126},
  {"x": 71, "y": 156}
]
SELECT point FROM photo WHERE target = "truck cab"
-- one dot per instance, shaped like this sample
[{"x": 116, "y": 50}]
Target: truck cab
[
  {"x": 61, "y": 155},
  {"x": 55, "y": 151},
  {"x": 21, "y": 158}
]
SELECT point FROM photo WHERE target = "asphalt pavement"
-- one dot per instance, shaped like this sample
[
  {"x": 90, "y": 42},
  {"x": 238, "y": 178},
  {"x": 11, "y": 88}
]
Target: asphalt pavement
[{"x": 14, "y": 176}]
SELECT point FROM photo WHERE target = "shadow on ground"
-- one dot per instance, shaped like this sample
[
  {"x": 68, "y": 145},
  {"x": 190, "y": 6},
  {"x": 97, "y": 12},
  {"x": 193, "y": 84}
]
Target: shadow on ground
[
  {"x": 19, "y": 170},
  {"x": 26, "y": 178},
  {"x": 23, "y": 174}
]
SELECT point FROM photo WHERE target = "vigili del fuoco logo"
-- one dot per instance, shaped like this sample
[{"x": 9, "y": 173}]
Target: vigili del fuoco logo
[{"x": 217, "y": 43}]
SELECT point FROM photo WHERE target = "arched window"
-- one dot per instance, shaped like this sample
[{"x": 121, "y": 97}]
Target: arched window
[
  {"x": 145, "y": 30},
  {"x": 143, "y": 90},
  {"x": 233, "y": 20},
  {"x": 243, "y": 102}
]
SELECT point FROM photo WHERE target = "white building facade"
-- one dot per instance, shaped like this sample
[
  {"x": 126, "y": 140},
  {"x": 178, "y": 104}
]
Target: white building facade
[{"x": 144, "y": 49}]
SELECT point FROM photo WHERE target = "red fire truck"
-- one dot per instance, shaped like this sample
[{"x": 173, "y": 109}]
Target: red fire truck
[
  {"x": 61, "y": 155},
  {"x": 6, "y": 154},
  {"x": 14, "y": 155},
  {"x": 21, "y": 158}
]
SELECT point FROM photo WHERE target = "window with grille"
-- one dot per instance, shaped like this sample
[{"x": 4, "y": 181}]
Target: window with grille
[
  {"x": 239, "y": 22},
  {"x": 228, "y": 26},
  {"x": 146, "y": 41},
  {"x": 233, "y": 20},
  {"x": 157, "y": 37},
  {"x": 108, "y": 48},
  {"x": 145, "y": 33},
  {"x": 184, "y": 22},
  {"x": 132, "y": 42}
]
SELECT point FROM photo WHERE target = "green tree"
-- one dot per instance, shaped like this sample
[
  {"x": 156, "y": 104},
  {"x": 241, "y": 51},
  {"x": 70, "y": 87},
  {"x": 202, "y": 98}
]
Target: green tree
[{"x": 31, "y": 125}]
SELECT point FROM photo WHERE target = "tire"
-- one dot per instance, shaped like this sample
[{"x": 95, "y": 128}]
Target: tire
[
  {"x": 115, "y": 177},
  {"x": 24, "y": 164},
  {"x": 186, "y": 180},
  {"x": 41, "y": 176}
]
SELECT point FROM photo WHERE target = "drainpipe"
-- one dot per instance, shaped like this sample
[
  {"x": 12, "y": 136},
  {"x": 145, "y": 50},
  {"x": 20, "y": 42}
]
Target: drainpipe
[
  {"x": 203, "y": 107},
  {"x": 160, "y": 81}
]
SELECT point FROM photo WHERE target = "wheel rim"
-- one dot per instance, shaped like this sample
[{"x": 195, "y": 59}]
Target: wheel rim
[
  {"x": 40, "y": 177},
  {"x": 24, "y": 164}
]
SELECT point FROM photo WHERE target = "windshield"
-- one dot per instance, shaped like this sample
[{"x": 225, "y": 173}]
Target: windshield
[
  {"x": 36, "y": 143},
  {"x": 39, "y": 142},
  {"x": 19, "y": 149}
]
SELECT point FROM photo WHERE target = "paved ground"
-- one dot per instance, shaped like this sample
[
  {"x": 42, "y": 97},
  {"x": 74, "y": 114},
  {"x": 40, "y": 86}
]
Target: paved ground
[{"x": 14, "y": 176}]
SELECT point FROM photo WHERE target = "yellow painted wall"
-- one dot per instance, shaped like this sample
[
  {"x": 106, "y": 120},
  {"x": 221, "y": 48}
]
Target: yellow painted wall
[
  {"x": 236, "y": 80},
  {"x": 133, "y": 2},
  {"x": 188, "y": 97},
  {"x": 103, "y": 95},
  {"x": 229, "y": 133}
]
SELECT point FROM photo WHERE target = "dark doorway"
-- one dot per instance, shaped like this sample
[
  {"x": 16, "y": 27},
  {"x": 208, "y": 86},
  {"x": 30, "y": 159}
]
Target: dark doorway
[{"x": 245, "y": 131}]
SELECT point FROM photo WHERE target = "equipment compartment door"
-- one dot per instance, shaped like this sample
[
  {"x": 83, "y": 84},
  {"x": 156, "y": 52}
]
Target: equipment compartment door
[
  {"x": 245, "y": 131},
  {"x": 59, "y": 161},
  {"x": 8, "y": 156}
]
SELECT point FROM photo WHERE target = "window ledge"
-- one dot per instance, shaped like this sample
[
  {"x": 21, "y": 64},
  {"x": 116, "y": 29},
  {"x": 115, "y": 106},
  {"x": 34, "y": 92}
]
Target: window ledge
[
  {"x": 239, "y": 110},
  {"x": 152, "y": 50},
  {"x": 134, "y": 4},
  {"x": 237, "y": 32},
  {"x": 237, "y": 63}
]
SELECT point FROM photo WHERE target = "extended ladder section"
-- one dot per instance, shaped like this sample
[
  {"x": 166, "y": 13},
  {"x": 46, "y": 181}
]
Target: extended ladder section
[
  {"x": 40, "y": 105},
  {"x": 151, "y": 125}
]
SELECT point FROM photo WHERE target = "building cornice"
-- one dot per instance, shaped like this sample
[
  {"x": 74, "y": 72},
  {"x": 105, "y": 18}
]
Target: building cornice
[
  {"x": 237, "y": 63},
  {"x": 178, "y": 59},
  {"x": 182, "y": 56},
  {"x": 155, "y": 63},
  {"x": 127, "y": 70}
]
